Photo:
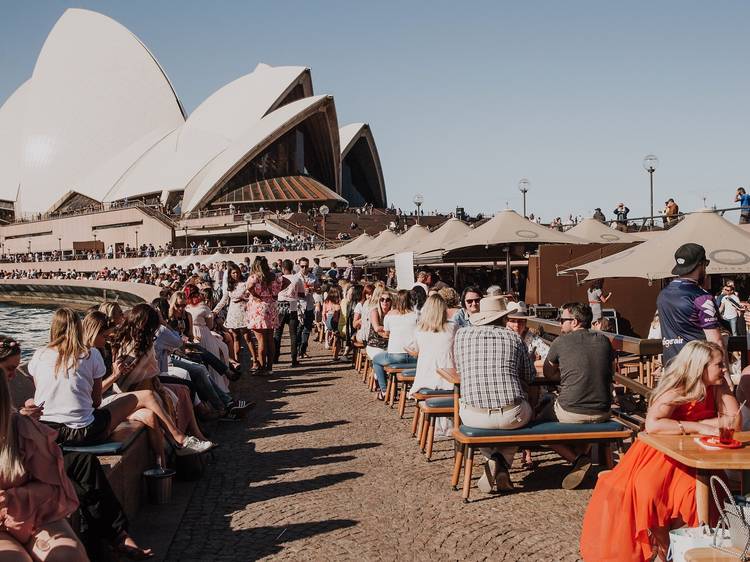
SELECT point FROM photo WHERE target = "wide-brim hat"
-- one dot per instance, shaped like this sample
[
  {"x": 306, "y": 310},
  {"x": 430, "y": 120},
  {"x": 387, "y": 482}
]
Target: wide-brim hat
[
  {"x": 518, "y": 310},
  {"x": 490, "y": 309},
  {"x": 688, "y": 257}
]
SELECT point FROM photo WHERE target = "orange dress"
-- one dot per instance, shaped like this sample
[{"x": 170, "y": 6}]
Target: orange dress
[{"x": 646, "y": 490}]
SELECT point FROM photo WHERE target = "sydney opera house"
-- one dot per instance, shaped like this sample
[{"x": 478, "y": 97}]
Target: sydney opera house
[{"x": 98, "y": 124}]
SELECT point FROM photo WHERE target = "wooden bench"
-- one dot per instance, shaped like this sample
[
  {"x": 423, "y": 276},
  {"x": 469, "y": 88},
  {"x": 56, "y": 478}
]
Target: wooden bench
[
  {"x": 534, "y": 434},
  {"x": 392, "y": 371}
]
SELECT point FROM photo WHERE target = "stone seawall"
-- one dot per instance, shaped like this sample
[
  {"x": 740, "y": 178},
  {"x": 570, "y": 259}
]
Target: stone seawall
[{"x": 78, "y": 294}]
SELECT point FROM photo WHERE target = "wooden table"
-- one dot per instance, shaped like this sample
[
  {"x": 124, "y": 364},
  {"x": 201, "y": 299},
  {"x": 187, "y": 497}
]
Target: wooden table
[
  {"x": 453, "y": 377},
  {"x": 684, "y": 449},
  {"x": 707, "y": 554}
]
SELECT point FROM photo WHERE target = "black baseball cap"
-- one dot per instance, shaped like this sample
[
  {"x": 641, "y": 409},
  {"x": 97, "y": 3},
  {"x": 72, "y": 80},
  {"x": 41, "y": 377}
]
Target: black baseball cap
[{"x": 688, "y": 257}]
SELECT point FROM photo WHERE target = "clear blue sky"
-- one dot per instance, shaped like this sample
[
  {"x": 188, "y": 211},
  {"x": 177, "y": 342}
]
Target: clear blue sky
[{"x": 466, "y": 98}]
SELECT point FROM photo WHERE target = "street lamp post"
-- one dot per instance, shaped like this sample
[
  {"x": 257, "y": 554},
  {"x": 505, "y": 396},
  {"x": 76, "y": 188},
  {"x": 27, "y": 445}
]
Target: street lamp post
[
  {"x": 523, "y": 187},
  {"x": 248, "y": 218},
  {"x": 324, "y": 210},
  {"x": 418, "y": 200},
  {"x": 59, "y": 244},
  {"x": 650, "y": 163},
  {"x": 186, "y": 245}
]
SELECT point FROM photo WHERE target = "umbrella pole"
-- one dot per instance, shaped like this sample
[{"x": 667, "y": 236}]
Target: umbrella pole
[{"x": 507, "y": 269}]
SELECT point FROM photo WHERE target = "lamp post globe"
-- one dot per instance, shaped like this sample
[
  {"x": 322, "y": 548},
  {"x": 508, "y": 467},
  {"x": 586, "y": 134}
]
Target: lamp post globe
[
  {"x": 523, "y": 187},
  {"x": 418, "y": 200},
  {"x": 650, "y": 163},
  {"x": 324, "y": 210}
]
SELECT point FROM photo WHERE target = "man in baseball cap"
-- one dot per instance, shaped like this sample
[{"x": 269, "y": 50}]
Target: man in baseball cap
[{"x": 687, "y": 311}]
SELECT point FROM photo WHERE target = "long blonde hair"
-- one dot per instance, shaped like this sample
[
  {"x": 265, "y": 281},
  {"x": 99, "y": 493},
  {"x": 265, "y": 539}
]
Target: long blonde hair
[
  {"x": 434, "y": 315},
  {"x": 66, "y": 337},
  {"x": 94, "y": 323},
  {"x": 685, "y": 372},
  {"x": 375, "y": 297},
  {"x": 112, "y": 310},
  {"x": 11, "y": 467}
]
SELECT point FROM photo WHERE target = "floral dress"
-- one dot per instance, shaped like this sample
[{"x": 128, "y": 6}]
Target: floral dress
[
  {"x": 236, "y": 312},
  {"x": 262, "y": 312}
]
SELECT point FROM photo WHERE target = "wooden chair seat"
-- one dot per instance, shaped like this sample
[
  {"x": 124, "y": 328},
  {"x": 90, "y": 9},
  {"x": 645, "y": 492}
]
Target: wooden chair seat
[{"x": 429, "y": 410}]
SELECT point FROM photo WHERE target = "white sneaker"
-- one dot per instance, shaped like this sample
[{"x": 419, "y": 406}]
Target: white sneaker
[{"x": 193, "y": 446}]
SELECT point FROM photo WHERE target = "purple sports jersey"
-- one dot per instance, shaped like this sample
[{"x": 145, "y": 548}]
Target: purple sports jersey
[{"x": 685, "y": 310}]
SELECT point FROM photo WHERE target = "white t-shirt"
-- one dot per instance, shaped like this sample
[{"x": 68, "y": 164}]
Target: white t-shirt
[
  {"x": 401, "y": 328},
  {"x": 66, "y": 396},
  {"x": 730, "y": 312}
]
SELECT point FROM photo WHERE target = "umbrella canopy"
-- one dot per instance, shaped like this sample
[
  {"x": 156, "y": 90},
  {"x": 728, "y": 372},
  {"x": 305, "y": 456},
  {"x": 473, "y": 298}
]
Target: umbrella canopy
[
  {"x": 403, "y": 243},
  {"x": 147, "y": 262},
  {"x": 727, "y": 246},
  {"x": 438, "y": 240},
  {"x": 216, "y": 257},
  {"x": 350, "y": 249},
  {"x": 507, "y": 228},
  {"x": 372, "y": 247},
  {"x": 591, "y": 230}
]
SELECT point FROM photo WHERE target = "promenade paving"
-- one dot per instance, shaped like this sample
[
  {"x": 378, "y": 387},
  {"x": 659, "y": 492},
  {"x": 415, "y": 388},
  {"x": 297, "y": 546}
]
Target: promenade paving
[{"x": 322, "y": 471}]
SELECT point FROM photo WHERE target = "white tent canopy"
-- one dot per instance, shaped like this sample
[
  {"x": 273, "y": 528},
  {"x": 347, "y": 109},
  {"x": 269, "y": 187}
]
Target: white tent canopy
[
  {"x": 591, "y": 230},
  {"x": 403, "y": 243},
  {"x": 727, "y": 247},
  {"x": 349, "y": 249}
]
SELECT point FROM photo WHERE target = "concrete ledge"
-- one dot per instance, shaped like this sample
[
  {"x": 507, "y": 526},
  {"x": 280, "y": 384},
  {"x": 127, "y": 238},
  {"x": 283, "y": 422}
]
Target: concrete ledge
[{"x": 74, "y": 293}]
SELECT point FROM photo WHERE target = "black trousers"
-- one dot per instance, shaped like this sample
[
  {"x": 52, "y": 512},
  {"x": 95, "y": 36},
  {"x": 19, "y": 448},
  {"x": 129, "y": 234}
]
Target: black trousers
[
  {"x": 288, "y": 317},
  {"x": 102, "y": 516}
]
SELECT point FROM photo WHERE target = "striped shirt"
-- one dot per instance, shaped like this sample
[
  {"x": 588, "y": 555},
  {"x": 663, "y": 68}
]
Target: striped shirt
[{"x": 492, "y": 361}]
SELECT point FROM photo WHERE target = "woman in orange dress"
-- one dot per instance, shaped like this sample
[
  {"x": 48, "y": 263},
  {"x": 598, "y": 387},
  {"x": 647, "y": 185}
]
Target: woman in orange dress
[{"x": 635, "y": 505}]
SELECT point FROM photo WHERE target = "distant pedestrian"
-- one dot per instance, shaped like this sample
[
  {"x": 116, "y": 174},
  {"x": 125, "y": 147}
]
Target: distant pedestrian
[
  {"x": 598, "y": 215},
  {"x": 621, "y": 217},
  {"x": 744, "y": 200}
]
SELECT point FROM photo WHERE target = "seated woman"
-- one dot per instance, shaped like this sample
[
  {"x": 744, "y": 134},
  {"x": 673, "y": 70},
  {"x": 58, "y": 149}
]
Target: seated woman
[
  {"x": 433, "y": 343},
  {"x": 399, "y": 326},
  {"x": 35, "y": 494},
  {"x": 635, "y": 505},
  {"x": 68, "y": 381},
  {"x": 331, "y": 316},
  {"x": 378, "y": 307},
  {"x": 137, "y": 369}
]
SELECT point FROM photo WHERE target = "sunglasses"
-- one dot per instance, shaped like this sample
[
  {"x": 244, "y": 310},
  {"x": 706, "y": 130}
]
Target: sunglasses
[
  {"x": 385, "y": 300},
  {"x": 472, "y": 301},
  {"x": 565, "y": 319}
]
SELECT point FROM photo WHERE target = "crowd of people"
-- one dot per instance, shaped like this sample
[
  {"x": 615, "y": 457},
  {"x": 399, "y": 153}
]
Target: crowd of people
[{"x": 168, "y": 364}]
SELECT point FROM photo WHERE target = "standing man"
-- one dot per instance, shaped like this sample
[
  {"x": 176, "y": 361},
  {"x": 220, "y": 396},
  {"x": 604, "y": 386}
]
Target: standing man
[
  {"x": 744, "y": 201},
  {"x": 621, "y": 217},
  {"x": 352, "y": 273},
  {"x": 307, "y": 304},
  {"x": 287, "y": 303},
  {"x": 687, "y": 311}
]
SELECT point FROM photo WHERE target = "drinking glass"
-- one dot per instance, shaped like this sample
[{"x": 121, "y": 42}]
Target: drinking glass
[{"x": 726, "y": 428}]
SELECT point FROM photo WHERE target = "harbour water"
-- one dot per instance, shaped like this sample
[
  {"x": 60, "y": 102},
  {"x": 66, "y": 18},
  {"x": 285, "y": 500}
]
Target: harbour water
[{"x": 28, "y": 324}]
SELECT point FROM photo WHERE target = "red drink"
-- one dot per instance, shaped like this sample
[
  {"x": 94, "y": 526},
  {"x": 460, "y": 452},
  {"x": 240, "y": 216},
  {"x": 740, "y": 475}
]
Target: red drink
[{"x": 726, "y": 435}]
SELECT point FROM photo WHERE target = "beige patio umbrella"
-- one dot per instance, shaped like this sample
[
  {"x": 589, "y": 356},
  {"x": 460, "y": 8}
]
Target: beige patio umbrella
[
  {"x": 591, "y": 230},
  {"x": 372, "y": 247},
  {"x": 440, "y": 238},
  {"x": 508, "y": 232},
  {"x": 727, "y": 246},
  {"x": 403, "y": 243},
  {"x": 349, "y": 249}
]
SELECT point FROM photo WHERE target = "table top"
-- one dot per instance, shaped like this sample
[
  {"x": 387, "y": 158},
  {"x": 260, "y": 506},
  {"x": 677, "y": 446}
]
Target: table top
[
  {"x": 684, "y": 449},
  {"x": 708, "y": 554}
]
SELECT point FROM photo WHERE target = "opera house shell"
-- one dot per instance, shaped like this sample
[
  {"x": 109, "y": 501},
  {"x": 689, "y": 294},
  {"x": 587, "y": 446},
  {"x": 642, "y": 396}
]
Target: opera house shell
[{"x": 99, "y": 122}]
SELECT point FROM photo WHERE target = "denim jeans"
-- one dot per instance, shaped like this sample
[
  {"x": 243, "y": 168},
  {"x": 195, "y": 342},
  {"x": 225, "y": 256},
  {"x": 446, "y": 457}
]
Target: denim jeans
[
  {"x": 207, "y": 390},
  {"x": 304, "y": 329},
  {"x": 383, "y": 360}
]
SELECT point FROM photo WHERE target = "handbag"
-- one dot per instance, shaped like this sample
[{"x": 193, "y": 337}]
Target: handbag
[
  {"x": 734, "y": 518},
  {"x": 376, "y": 340}
]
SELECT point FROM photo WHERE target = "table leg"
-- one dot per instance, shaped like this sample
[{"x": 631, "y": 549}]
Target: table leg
[{"x": 702, "y": 495}]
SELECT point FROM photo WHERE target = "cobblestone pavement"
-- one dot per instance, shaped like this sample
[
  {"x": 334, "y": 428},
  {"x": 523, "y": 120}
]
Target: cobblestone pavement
[{"x": 321, "y": 470}]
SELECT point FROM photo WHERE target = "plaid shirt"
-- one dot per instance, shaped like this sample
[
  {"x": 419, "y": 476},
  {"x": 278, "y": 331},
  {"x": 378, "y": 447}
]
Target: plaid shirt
[{"x": 492, "y": 361}]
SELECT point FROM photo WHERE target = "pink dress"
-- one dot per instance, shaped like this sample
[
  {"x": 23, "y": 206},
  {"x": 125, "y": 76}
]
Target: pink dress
[
  {"x": 262, "y": 312},
  {"x": 42, "y": 495}
]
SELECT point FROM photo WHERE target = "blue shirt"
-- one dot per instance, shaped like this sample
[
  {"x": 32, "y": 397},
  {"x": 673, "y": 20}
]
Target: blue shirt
[
  {"x": 685, "y": 310},
  {"x": 745, "y": 204}
]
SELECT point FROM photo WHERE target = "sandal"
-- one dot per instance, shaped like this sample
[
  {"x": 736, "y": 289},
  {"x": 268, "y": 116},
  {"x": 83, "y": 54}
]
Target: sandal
[
  {"x": 133, "y": 552},
  {"x": 381, "y": 395}
]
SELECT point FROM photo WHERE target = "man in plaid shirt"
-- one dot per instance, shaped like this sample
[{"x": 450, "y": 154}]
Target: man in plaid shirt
[{"x": 495, "y": 371}]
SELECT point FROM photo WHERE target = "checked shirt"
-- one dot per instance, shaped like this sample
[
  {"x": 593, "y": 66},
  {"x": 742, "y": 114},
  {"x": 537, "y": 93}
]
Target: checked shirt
[{"x": 492, "y": 361}]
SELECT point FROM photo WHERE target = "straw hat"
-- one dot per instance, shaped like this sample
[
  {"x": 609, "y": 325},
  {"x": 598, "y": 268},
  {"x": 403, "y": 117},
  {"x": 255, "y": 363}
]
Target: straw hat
[
  {"x": 518, "y": 310},
  {"x": 490, "y": 309}
]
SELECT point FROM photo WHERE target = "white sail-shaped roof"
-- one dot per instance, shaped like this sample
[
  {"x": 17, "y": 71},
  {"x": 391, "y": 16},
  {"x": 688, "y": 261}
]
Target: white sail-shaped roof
[
  {"x": 268, "y": 129},
  {"x": 95, "y": 92},
  {"x": 11, "y": 129}
]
